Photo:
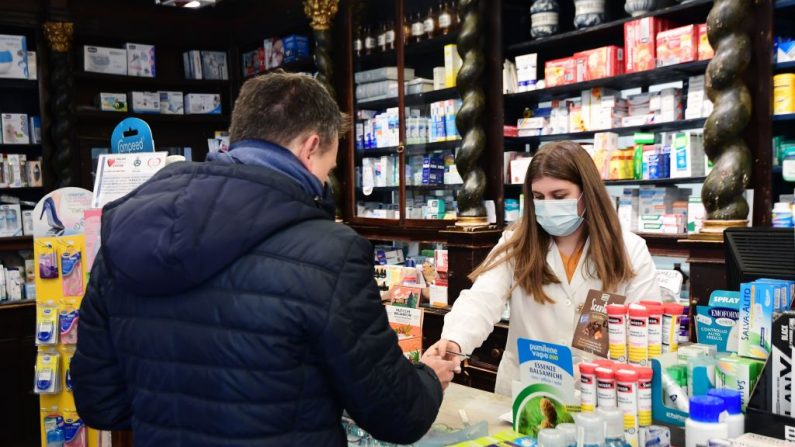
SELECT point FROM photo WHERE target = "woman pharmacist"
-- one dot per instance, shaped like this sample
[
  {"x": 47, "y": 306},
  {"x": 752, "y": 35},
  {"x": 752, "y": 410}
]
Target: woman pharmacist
[{"x": 568, "y": 242}]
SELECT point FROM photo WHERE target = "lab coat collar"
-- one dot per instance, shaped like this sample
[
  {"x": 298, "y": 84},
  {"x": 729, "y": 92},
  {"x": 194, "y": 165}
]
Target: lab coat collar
[{"x": 579, "y": 279}]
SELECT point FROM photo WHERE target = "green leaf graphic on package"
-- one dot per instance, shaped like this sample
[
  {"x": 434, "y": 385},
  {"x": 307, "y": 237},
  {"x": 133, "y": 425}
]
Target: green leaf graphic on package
[{"x": 537, "y": 408}]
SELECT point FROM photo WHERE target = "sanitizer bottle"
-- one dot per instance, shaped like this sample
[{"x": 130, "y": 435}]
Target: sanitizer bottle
[
  {"x": 614, "y": 427},
  {"x": 705, "y": 422},
  {"x": 735, "y": 421},
  {"x": 590, "y": 430}
]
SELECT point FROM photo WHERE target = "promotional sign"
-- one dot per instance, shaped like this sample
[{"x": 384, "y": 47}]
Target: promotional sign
[
  {"x": 119, "y": 174},
  {"x": 131, "y": 135},
  {"x": 60, "y": 213},
  {"x": 590, "y": 335}
]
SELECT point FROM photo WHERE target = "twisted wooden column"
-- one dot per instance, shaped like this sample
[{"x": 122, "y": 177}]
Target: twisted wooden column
[
  {"x": 61, "y": 102},
  {"x": 321, "y": 13},
  {"x": 470, "y": 117},
  {"x": 722, "y": 194}
]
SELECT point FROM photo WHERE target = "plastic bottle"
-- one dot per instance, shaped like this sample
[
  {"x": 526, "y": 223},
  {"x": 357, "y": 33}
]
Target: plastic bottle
[
  {"x": 627, "y": 397},
  {"x": 590, "y": 430},
  {"x": 569, "y": 434},
  {"x": 588, "y": 386},
  {"x": 732, "y": 399},
  {"x": 551, "y": 437},
  {"x": 704, "y": 421},
  {"x": 605, "y": 388},
  {"x": 782, "y": 215},
  {"x": 670, "y": 326},
  {"x": 655, "y": 327},
  {"x": 644, "y": 396},
  {"x": 675, "y": 394},
  {"x": 614, "y": 428},
  {"x": 638, "y": 335},
  {"x": 617, "y": 331}
]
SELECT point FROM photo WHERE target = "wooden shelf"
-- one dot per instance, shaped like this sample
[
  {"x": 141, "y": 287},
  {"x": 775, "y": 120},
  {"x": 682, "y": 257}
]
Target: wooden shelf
[
  {"x": 663, "y": 236},
  {"x": 784, "y": 4},
  {"x": 154, "y": 83},
  {"x": 87, "y": 115},
  {"x": 16, "y": 243},
  {"x": 410, "y": 100},
  {"x": 784, "y": 117},
  {"x": 19, "y": 84},
  {"x": 17, "y": 304},
  {"x": 622, "y": 82},
  {"x": 410, "y": 149},
  {"x": 411, "y": 50},
  {"x": 652, "y": 182},
  {"x": 19, "y": 147},
  {"x": 25, "y": 188},
  {"x": 685, "y": 11},
  {"x": 656, "y": 127},
  {"x": 783, "y": 66}
]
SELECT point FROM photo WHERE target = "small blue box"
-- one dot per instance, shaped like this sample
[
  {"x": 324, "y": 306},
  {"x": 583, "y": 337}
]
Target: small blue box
[{"x": 295, "y": 48}]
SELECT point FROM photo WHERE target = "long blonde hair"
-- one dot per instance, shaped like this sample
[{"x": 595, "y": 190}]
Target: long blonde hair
[{"x": 528, "y": 246}]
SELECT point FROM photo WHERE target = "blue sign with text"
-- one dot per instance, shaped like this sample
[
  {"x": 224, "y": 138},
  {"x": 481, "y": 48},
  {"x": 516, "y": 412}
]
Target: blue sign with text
[{"x": 132, "y": 135}]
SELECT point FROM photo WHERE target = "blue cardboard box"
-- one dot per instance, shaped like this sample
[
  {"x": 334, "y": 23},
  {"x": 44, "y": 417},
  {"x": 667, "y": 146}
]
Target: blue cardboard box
[{"x": 295, "y": 47}]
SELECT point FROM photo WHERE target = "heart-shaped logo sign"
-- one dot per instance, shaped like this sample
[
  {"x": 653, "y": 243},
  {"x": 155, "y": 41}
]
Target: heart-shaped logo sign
[{"x": 111, "y": 162}]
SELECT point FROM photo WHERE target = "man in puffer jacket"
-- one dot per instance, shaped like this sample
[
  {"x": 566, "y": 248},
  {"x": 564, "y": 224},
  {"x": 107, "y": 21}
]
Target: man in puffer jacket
[{"x": 226, "y": 307}]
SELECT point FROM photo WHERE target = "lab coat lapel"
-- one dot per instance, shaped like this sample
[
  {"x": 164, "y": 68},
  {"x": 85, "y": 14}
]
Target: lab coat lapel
[
  {"x": 556, "y": 262},
  {"x": 581, "y": 277}
]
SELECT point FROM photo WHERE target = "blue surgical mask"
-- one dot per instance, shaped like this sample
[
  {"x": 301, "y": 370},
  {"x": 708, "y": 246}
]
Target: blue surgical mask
[{"x": 558, "y": 217}]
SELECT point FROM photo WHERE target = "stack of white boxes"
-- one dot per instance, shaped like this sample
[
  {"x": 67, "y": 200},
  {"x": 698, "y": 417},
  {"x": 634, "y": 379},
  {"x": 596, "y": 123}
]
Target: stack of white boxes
[
  {"x": 657, "y": 213},
  {"x": 667, "y": 105},
  {"x": 687, "y": 154},
  {"x": 698, "y": 105},
  {"x": 628, "y": 207}
]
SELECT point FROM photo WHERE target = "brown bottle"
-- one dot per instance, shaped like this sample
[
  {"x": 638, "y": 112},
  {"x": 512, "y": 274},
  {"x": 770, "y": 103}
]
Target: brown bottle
[
  {"x": 445, "y": 19},
  {"x": 358, "y": 42},
  {"x": 369, "y": 41},
  {"x": 417, "y": 28},
  {"x": 429, "y": 24},
  {"x": 406, "y": 29}
]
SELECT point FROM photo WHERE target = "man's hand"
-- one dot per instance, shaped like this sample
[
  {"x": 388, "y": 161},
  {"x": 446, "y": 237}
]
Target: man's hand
[
  {"x": 444, "y": 369},
  {"x": 443, "y": 348}
]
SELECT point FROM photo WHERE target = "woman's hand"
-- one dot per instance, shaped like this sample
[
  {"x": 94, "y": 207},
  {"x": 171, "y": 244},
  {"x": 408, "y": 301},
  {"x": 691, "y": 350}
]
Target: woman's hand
[{"x": 443, "y": 349}]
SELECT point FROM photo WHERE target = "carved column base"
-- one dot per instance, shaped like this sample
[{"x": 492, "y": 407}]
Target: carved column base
[
  {"x": 472, "y": 223},
  {"x": 712, "y": 231}
]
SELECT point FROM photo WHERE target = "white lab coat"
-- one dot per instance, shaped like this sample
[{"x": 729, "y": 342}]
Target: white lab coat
[{"x": 478, "y": 309}]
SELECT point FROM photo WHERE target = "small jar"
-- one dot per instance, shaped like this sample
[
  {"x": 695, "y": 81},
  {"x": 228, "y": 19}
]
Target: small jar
[
  {"x": 588, "y": 13},
  {"x": 544, "y": 18}
]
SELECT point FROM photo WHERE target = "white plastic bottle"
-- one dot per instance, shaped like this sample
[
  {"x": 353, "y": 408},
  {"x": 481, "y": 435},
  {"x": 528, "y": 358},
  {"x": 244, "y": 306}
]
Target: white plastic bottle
[
  {"x": 735, "y": 421},
  {"x": 614, "y": 427},
  {"x": 588, "y": 386},
  {"x": 704, "y": 422},
  {"x": 569, "y": 434},
  {"x": 617, "y": 331},
  {"x": 638, "y": 335},
  {"x": 590, "y": 430},
  {"x": 605, "y": 387},
  {"x": 551, "y": 437}
]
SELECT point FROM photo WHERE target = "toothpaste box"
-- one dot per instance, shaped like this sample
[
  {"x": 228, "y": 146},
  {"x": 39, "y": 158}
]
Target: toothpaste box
[
  {"x": 716, "y": 323},
  {"x": 781, "y": 364},
  {"x": 172, "y": 103},
  {"x": 113, "y": 102},
  {"x": 738, "y": 373},
  {"x": 758, "y": 303},
  {"x": 203, "y": 103},
  {"x": 145, "y": 102},
  {"x": 105, "y": 60},
  {"x": 140, "y": 60}
]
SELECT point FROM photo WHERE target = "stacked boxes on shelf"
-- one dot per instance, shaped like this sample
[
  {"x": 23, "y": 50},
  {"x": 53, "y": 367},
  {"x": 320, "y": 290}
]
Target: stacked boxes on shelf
[
  {"x": 209, "y": 65},
  {"x": 134, "y": 59},
  {"x": 17, "y": 62},
  {"x": 161, "y": 102},
  {"x": 19, "y": 128}
]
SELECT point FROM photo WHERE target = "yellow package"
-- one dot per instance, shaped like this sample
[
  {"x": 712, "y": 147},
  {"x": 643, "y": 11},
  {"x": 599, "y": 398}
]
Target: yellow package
[
  {"x": 47, "y": 377},
  {"x": 47, "y": 324},
  {"x": 784, "y": 93}
]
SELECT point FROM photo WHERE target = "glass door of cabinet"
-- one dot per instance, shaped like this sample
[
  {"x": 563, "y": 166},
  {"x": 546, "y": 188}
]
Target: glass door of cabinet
[
  {"x": 378, "y": 144},
  {"x": 431, "y": 103}
]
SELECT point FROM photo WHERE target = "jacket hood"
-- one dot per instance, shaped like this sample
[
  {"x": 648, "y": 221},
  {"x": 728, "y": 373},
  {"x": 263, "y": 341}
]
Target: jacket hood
[{"x": 192, "y": 220}]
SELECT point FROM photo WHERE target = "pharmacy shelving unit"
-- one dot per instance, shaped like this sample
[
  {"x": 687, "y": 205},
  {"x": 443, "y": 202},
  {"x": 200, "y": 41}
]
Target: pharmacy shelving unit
[{"x": 782, "y": 125}]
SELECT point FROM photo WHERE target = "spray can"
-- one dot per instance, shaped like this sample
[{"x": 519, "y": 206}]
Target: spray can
[
  {"x": 627, "y": 397},
  {"x": 670, "y": 326},
  {"x": 605, "y": 388},
  {"x": 638, "y": 332},
  {"x": 644, "y": 395},
  {"x": 617, "y": 331},
  {"x": 655, "y": 327},
  {"x": 588, "y": 386}
]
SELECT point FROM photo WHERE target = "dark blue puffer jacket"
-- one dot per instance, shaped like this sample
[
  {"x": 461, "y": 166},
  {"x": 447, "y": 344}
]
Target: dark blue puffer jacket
[{"x": 226, "y": 308}]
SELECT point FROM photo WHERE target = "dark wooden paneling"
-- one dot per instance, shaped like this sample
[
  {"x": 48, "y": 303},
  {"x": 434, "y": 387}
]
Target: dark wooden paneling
[{"x": 19, "y": 407}]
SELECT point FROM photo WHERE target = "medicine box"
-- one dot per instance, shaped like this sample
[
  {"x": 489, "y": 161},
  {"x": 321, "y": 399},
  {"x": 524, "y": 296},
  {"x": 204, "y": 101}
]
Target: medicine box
[
  {"x": 105, "y": 60},
  {"x": 781, "y": 364},
  {"x": 35, "y": 129},
  {"x": 560, "y": 72},
  {"x": 202, "y": 103},
  {"x": 295, "y": 47},
  {"x": 677, "y": 46},
  {"x": 34, "y": 173},
  {"x": 628, "y": 210},
  {"x": 599, "y": 63},
  {"x": 214, "y": 65},
  {"x": 640, "y": 43},
  {"x": 738, "y": 373},
  {"x": 784, "y": 93},
  {"x": 756, "y": 317},
  {"x": 32, "y": 66},
  {"x": 140, "y": 60},
  {"x": 13, "y": 171},
  {"x": 172, "y": 103},
  {"x": 12, "y": 221},
  {"x": 15, "y": 128},
  {"x": 452, "y": 63},
  {"x": 382, "y": 74},
  {"x": 113, "y": 102},
  {"x": 274, "y": 53},
  {"x": 696, "y": 213},
  {"x": 785, "y": 50},
  {"x": 687, "y": 155},
  {"x": 519, "y": 168},
  {"x": 145, "y": 102},
  {"x": 526, "y": 71},
  {"x": 705, "y": 50},
  {"x": 13, "y": 57}
]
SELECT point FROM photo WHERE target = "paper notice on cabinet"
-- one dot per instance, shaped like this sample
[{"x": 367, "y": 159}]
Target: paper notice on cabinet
[{"x": 119, "y": 174}]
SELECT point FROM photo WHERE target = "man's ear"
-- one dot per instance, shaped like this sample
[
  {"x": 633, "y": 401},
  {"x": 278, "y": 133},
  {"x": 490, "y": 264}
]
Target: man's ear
[{"x": 309, "y": 147}]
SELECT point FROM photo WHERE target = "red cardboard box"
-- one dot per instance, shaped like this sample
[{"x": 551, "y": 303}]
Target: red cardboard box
[
  {"x": 640, "y": 43},
  {"x": 705, "y": 50},
  {"x": 599, "y": 63},
  {"x": 560, "y": 72},
  {"x": 677, "y": 46}
]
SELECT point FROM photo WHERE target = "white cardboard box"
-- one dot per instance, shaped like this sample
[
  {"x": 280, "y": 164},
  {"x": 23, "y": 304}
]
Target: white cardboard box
[
  {"x": 202, "y": 103},
  {"x": 145, "y": 102},
  {"x": 13, "y": 57},
  {"x": 519, "y": 170},
  {"x": 140, "y": 60},
  {"x": 12, "y": 217},
  {"x": 32, "y": 66},
  {"x": 105, "y": 60},
  {"x": 15, "y": 128},
  {"x": 113, "y": 102},
  {"x": 172, "y": 103}
]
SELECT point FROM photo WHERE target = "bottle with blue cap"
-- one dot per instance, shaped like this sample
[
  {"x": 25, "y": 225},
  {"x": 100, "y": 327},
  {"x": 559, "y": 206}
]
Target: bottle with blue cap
[
  {"x": 706, "y": 421},
  {"x": 735, "y": 420}
]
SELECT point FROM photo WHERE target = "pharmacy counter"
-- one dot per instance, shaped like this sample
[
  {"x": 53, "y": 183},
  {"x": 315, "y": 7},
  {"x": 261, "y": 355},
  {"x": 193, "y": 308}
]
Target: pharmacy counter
[{"x": 478, "y": 406}]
